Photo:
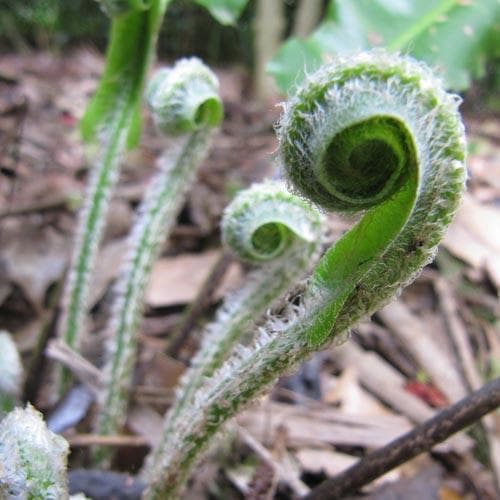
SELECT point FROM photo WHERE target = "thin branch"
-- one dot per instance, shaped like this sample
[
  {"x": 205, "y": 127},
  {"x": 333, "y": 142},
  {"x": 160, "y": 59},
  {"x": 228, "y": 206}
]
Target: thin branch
[
  {"x": 422, "y": 438},
  {"x": 84, "y": 440},
  {"x": 82, "y": 369}
]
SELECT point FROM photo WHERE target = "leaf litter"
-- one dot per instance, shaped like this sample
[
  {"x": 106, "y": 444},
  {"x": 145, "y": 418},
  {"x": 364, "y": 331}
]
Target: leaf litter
[{"x": 432, "y": 346}]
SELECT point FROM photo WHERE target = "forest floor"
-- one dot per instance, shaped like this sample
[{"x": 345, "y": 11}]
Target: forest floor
[{"x": 428, "y": 349}]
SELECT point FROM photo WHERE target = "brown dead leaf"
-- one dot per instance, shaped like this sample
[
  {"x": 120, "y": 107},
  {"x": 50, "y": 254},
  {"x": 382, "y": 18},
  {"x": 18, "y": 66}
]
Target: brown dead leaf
[
  {"x": 426, "y": 347},
  {"x": 44, "y": 192},
  {"x": 347, "y": 391},
  {"x": 446, "y": 493},
  {"x": 177, "y": 280},
  {"x": 34, "y": 257},
  {"x": 145, "y": 422},
  {"x": 317, "y": 460},
  {"x": 118, "y": 220},
  {"x": 421, "y": 483},
  {"x": 474, "y": 237},
  {"x": 385, "y": 382},
  {"x": 485, "y": 168},
  {"x": 161, "y": 370},
  {"x": 323, "y": 425},
  {"x": 5, "y": 289}
]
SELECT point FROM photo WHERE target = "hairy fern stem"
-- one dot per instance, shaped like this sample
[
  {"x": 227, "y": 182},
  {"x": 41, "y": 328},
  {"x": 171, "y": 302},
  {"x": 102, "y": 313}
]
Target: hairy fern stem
[
  {"x": 263, "y": 225},
  {"x": 374, "y": 133},
  {"x": 171, "y": 103},
  {"x": 112, "y": 120}
]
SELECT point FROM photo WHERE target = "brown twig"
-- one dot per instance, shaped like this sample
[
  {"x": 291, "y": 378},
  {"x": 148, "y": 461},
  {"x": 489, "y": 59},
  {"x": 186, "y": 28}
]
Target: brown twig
[
  {"x": 284, "y": 472},
  {"x": 422, "y": 438},
  {"x": 457, "y": 333},
  {"x": 84, "y": 440},
  {"x": 57, "y": 202},
  {"x": 85, "y": 371}
]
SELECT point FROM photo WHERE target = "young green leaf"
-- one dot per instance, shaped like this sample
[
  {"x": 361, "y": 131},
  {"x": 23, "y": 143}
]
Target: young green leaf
[{"x": 130, "y": 50}]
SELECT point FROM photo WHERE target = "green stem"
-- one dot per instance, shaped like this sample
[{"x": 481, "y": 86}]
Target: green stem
[
  {"x": 182, "y": 99},
  {"x": 163, "y": 200},
  {"x": 375, "y": 132},
  {"x": 91, "y": 222},
  {"x": 264, "y": 223},
  {"x": 112, "y": 117}
]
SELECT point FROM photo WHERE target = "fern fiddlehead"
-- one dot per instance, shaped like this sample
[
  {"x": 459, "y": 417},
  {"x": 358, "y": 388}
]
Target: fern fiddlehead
[
  {"x": 33, "y": 458},
  {"x": 182, "y": 99},
  {"x": 263, "y": 225},
  {"x": 376, "y": 114}
]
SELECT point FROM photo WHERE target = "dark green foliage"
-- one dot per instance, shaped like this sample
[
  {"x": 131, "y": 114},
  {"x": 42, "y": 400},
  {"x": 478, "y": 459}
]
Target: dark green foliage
[
  {"x": 455, "y": 37},
  {"x": 189, "y": 27},
  {"x": 50, "y": 23}
]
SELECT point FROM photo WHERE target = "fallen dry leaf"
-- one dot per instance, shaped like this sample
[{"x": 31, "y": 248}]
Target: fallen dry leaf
[
  {"x": 474, "y": 237},
  {"x": 177, "y": 280},
  {"x": 34, "y": 257},
  {"x": 322, "y": 425},
  {"x": 346, "y": 390},
  {"x": 425, "y": 346},
  {"x": 317, "y": 460},
  {"x": 145, "y": 422}
]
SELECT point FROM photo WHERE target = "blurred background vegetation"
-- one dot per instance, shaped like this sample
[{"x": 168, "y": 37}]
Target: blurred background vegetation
[
  {"x": 286, "y": 37},
  {"x": 188, "y": 29}
]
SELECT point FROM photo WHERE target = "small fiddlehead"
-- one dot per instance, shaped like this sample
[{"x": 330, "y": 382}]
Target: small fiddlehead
[
  {"x": 376, "y": 114},
  {"x": 263, "y": 225},
  {"x": 32, "y": 458},
  {"x": 199, "y": 117},
  {"x": 184, "y": 98}
]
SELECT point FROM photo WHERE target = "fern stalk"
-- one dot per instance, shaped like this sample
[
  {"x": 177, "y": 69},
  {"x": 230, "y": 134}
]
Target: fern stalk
[
  {"x": 374, "y": 133},
  {"x": 11, "y": 373},
  {"x": 263, "y": 225},
  {"x": 112, "y": 118},
  {"x": 182, "y": 99}
]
